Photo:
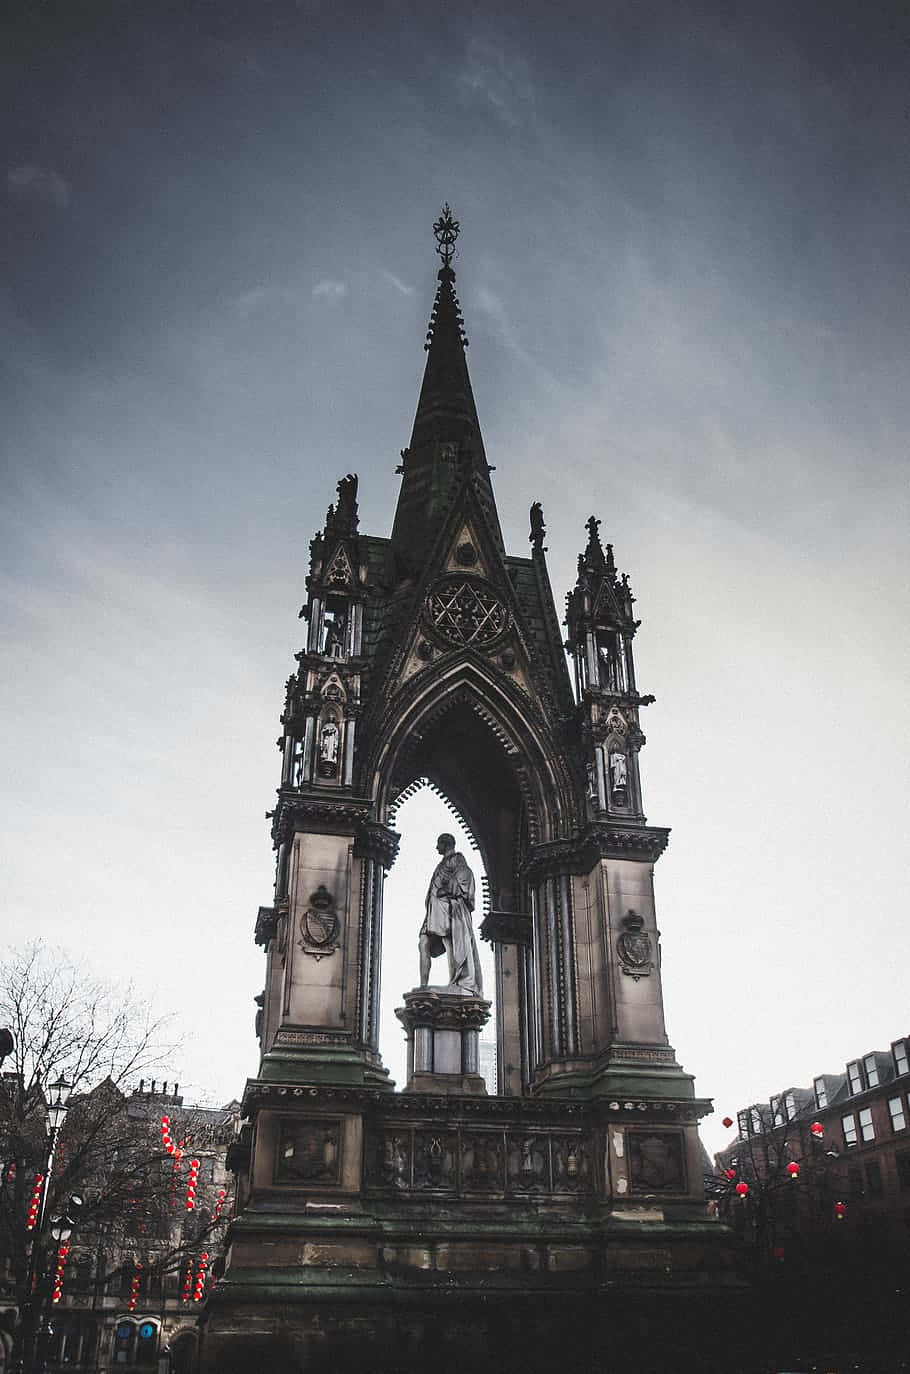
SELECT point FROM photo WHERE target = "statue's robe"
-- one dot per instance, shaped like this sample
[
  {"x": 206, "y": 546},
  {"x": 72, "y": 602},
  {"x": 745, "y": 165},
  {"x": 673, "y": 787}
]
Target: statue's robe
[{"x": 450, "y": 901}]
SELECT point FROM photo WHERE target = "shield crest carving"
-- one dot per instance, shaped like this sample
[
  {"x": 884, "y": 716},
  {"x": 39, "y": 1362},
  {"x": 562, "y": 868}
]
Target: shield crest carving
[
  {"x": 320, "y": 925},
  {"x": 634, "y": 947}
]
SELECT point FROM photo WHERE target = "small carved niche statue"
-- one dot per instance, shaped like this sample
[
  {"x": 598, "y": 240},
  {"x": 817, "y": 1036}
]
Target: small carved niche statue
[
  {"x": 328, "y": 749},
  {"x": 619, "y": 775}
]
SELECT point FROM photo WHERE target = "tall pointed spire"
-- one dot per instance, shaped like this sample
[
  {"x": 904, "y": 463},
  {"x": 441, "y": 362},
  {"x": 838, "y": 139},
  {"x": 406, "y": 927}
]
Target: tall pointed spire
[{"x": 446, "y": 444}]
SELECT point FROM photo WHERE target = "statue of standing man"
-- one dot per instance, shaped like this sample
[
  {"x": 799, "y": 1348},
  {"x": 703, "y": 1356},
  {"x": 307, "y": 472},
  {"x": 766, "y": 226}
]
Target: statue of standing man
[{"x": 447, "y": 927}]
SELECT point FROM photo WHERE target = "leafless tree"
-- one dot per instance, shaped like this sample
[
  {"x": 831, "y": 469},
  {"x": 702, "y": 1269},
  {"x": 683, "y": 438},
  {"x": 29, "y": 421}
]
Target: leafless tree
[{"x": 112, "y": 1176}]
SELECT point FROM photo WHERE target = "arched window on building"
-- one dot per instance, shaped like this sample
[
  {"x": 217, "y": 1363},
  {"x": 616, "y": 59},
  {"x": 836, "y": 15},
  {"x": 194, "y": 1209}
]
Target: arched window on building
[
  {"x": 183, "y": 1353},
  {"x": 136, "y": 1342}
]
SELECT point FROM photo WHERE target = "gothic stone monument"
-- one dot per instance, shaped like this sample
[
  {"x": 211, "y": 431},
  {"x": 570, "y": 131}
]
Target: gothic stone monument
[{"x": 384, "y": 1230}]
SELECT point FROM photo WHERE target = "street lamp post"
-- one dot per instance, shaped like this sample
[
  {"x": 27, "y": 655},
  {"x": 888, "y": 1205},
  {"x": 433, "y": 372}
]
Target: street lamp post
[{"x": 57, "y": 1107}]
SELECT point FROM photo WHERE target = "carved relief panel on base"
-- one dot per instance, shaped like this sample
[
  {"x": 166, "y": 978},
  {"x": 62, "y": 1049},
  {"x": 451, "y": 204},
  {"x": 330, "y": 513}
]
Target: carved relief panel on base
[
  {"x": 309, "y": 1152},
  {"x": 656, "y": 1161}
]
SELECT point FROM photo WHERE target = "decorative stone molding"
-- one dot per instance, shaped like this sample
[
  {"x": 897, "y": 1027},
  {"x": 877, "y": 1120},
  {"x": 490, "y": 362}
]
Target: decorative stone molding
[
  {"x": 391, "y": 1108},
  {"x": 463, "y": 609},
  {"x": 313, "y": 1037},
  {"x": 442, "y": 1009},
  {"x": 653, "y": 1054},
  {"x": 322, "y": 813},
  {"x": 506, "y": 928},
  {"x": 645, "y": 843},
  {"x": 373, "y": 840},
  {"x": 266, "y": 925}
]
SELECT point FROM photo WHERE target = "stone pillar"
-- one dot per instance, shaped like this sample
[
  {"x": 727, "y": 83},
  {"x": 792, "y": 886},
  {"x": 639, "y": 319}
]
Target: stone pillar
[{"x": 443, "y": 1027}]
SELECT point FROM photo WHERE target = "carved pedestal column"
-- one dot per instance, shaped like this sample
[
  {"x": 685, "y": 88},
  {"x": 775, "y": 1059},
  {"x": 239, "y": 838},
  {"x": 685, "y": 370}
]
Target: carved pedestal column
[{"x": 443, "y": 1027}]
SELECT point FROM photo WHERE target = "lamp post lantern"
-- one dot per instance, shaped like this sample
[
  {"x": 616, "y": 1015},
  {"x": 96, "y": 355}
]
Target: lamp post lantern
[{"x": 57, "y": 1106}]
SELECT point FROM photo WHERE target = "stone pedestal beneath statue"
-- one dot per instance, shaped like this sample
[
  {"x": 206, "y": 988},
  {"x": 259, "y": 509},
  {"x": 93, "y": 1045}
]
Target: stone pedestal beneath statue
[{"x": 443, "y": 1026}]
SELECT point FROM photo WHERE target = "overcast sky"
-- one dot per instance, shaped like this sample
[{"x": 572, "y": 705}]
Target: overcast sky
[{"x": 684, "y": 272}]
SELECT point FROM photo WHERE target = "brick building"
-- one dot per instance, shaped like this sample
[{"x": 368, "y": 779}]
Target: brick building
[{"x": 852, "y": 1187}]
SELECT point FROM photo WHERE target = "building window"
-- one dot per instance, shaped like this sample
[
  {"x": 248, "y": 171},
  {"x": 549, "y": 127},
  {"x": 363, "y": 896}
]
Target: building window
[
  {"x": 855, "y": 1182},
  {"x": 777, "y": 1112},
  {"x": 742, "y": 1120},
  {"x": 855, "y": 1076},
  {"x": 901, "y": 1062},
  {"x": 867, "y": 1130},
  {"x": 902, "y": 1159},
  {"x": 849, "y": 1125},
  {"x": 821, "y": 1093},
  {"x": 870, "y": 1070},
  {"x": 755, "y": 1123},
  {"x": 898, "y": 1116},
  {"x": 790, "y": 1106},
  {"x": 874, "y": 1178},
  {"x": 147, "y": 1344}
]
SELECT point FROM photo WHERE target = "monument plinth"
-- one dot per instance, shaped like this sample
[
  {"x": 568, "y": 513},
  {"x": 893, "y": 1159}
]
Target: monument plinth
[{"x": 443, "y": 1026}]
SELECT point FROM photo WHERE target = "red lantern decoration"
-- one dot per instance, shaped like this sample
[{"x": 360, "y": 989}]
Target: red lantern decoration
[
  {"x": 793, "y": 1170},
  {"x": 778, "y": 1252},
  {"x": 188, "y": 1280},
  {"x": 730, "y": 1174},
  {"x": 58, "y": 1277},
  {"x": 191, "y": 1185},
  {"x": 34, "y": 1206},
  {"x": 840, "y": 1211},
  {"x": 742, "y": 1189},
  {"x": 134, "y": 1288},
  {"x": 222, "y": 1194},
  {"x": 817, "y": 1130},
  {"x": 727, "y": 1121},
  {"x": 199, "y": 1292}
]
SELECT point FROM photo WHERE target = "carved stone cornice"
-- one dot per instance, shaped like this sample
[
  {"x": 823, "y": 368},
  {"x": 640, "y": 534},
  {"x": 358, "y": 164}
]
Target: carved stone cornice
[
  {"x": 643, "y": 842},
  {"x": 609, "y": 696},
  {"x": 266, "y": 925},
  {"x": 506, "y": 928},
  {"x": 601, "y": 840},
  {"x": 318, "y": 811},
  {"x": 442, "y": 1010},
  {"x": 373, "y": 840},
  {"x": 446, "y": 1109}
]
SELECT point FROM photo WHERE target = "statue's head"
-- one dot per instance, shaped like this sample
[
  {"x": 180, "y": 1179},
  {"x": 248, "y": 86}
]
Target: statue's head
[{"x": 445, "y": 844}]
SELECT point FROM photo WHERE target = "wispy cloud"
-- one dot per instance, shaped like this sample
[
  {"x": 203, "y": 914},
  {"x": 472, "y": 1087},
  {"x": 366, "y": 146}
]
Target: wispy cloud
[
  {"x": 262, "y": 297},
  {"x": 330, "y": 290},
  {"x": 498, "y": 79},
  {"x": 41, "y": 183},
  {"x": 398, "y": 284}
]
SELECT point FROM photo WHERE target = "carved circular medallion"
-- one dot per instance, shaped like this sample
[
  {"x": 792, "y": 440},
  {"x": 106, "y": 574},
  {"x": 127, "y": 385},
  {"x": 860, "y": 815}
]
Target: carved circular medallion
[{"x": 466, "y": 612}]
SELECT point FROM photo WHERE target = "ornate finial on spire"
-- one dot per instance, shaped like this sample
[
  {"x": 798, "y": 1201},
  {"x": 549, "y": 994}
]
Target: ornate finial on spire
[
  {"x": 446, "y": 304},
  {"x": 538, "y": 528},
  {"x": 593, "y": 554},
  {"x": 446, "y": 230}
]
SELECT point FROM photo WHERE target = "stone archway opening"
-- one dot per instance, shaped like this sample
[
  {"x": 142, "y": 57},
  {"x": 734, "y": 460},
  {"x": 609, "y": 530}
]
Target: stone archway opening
[{"x": 421, "y": 817}]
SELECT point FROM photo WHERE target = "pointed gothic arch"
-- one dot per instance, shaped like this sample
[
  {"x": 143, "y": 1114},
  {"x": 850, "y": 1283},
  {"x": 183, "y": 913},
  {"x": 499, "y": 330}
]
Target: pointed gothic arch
[{"x": 523, "y": 751}]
